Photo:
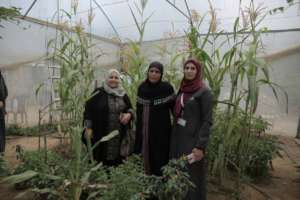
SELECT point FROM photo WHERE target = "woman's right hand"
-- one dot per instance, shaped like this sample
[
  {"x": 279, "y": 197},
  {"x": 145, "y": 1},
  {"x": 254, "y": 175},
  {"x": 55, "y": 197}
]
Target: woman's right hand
[
  {"x": 125, "y": 118},
  {"x": 88, "y": 133}
]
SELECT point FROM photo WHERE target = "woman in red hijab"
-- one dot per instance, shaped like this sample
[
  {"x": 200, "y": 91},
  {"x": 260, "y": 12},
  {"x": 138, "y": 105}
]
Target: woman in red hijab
[{"x": 192, "y": 122}]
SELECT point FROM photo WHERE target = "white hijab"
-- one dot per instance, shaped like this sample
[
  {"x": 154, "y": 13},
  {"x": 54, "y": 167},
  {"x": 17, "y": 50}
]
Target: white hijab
[{"x": 118, "y": 91}]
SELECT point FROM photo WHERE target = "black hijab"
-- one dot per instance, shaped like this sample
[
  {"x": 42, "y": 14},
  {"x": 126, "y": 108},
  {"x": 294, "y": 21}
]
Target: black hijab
[{"x": 151, "y": 91}]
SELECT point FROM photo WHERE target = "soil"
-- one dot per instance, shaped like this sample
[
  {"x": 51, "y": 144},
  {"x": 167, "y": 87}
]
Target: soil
[
  {"x": 283, "y": 183},
  {"x": 26, "y": 143},
  {"x": 8, "y": 192},
  {"x": 284, "y": 180}
]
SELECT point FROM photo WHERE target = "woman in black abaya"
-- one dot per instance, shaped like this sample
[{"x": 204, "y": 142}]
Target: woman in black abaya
[{"x": 155, "y": 100}]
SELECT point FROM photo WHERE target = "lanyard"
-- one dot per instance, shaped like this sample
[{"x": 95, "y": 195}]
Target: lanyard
[
  {"x": 181, "y": 100},
  {"x": 182, "y": 107}
]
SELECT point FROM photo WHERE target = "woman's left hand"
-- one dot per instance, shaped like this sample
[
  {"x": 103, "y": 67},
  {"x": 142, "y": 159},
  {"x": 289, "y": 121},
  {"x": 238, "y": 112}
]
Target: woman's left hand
[
  {"x": 198, "y": 154},
  {"x": 125, "y": 118}
]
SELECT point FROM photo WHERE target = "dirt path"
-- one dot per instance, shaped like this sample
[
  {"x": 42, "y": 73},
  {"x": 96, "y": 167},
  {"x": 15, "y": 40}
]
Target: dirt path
[
  {"x": 8, "y": 192},
  {"x": 28, "y": 144},
  {"x": 283, "y": 183}
]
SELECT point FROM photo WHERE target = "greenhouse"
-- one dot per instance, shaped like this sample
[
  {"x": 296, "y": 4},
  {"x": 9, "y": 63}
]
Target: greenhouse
[{"x": 150, "y": 99}]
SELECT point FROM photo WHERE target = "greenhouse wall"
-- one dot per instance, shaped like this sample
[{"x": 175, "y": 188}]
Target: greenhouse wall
[
  {"x": 25, "y": 68},
  {"x": 281, "y": 51}
]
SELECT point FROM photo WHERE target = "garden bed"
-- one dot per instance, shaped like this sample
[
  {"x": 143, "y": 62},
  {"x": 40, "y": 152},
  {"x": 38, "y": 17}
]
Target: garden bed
[{"x": 281, "y": 183}]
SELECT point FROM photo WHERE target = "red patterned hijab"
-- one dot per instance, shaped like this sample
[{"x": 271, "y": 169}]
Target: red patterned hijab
[{"x": 188, "y": 87}]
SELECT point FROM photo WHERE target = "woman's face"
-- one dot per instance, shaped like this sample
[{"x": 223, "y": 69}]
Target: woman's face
[
  {"x": 189, "y": 71},
  {"x": 154, "y": 75},
  {"x": 113, "y": 80}
]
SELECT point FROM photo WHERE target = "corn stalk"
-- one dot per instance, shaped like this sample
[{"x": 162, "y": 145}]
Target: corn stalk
[
  {"x": 134, "y": 62},
  {"x": 74, "y": 88}
]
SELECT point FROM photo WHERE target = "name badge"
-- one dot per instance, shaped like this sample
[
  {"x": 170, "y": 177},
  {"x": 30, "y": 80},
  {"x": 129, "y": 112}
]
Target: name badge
[{"x": 181, "y": 122}]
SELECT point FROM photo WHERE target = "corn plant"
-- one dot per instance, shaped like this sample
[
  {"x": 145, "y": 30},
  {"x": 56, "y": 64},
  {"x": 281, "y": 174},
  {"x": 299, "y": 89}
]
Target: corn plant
[
  {"x": 248, "y": 66},
  {"x": 134, "y": 62},
  {"x": 3, "y": 166},
  {"x": 72, "y": 52},
  {"x": 74, "y": 87},
  {"x": 172, "y": 74},
  {"x": 8, "y": 14},
  {"x": 247, "y": 73},
  {"x": 172, "y": 68}
]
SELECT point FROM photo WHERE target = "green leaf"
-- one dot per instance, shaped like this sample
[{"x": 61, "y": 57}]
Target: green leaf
[
  {"x": 67, "y": 14},
  {"x": 110, "y": 136},
  {"x": 20, "y": 177},
  {"x": 86, "y": 175},
  {"x": 45, "y": 191},
  {"x": 252, "y": 90},
  {"x": 21, "y": 195},
  {"x": 38, "y": 89},
  {"x": 236, "y": 23},
  {"x": 135, "y": 21}
]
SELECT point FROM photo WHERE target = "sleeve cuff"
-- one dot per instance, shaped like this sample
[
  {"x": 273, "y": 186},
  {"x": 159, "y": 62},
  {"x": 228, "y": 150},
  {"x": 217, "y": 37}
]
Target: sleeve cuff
[
  {"x": 88, "y": 123},
  {"x": 131, "y": 111}
]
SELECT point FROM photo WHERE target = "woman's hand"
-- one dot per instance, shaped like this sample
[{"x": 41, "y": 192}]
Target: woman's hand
[
  {"x": 88, "y": 133},
  {"x": 125, "y": 118},
  {"x": 198, "y": 154}
]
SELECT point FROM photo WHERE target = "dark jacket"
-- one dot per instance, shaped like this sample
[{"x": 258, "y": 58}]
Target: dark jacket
[
  {"x": 3, "y": 94},
  {"x": 97, "y": 110},
  {"x": 195, "y": 134}
]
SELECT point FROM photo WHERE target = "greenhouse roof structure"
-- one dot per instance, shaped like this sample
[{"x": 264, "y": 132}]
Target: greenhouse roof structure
[
  {"x": 115, "y": 27},
  {"x": 114, "y": 19}
]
